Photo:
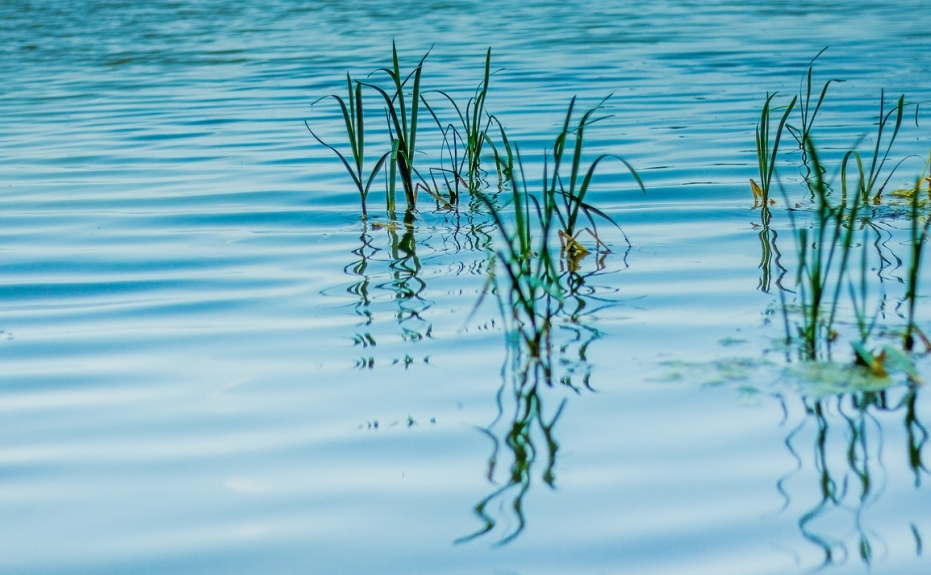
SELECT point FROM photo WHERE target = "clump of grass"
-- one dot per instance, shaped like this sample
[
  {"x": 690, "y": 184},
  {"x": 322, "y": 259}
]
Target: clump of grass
[
  {"x": 822, "y": 256},
  {"x": 824, "y": 245},
  {"x": 528, "y": 294},
  {"x": 531, "y": 290},
  {"x": 402, "y": 99},
  {"x": 867, "y": 184},
  {"x": 531, "y": 295},
  {"x": 766, "y": 151},
  {"x": 565, "y": 196},
  {"x": 402, "y": 126},
  {"x": 531, "y": 284},
  {"x": 474, "y": 122},
  {"x": 353, "y": 117}
]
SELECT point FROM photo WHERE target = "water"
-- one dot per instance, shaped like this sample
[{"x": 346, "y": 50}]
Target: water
[{"x": 211, "y": 365}]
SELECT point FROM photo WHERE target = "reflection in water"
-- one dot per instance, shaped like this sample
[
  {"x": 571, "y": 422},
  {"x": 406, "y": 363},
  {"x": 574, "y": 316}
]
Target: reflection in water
[
  {"x": 523, "y": 430},
  {"x": 850, "y": 424},
  {"x": 387, "y": 266},
  {"x": 854, "y": 290},
  {"x": 770, "y": 256},
  {"x": 522, "y": 433},
  {"x": 405, "y": 283},
  {"x": 401, "y": 280},
  {"x": 365, "y": 252}
]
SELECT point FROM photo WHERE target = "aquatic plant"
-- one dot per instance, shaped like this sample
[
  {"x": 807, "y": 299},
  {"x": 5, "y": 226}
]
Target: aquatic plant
[
  {"x": 402, "y": 126},
  {"x": 531, "y": 281},
  {"x": 528, "y": 294},
  {"x": 353, "y": 117},
  {"x": 531, "y": 288},
  {"x": 766, "y": 151},
  {"x": 402, "y": 99},
  {"x": 531, "y": 295},
  {"x": 868, "y": 184},
  {"x": 824, "y": 244},
  {"x": 807, "y": 115},
  {"x": 565, "y": 195},
  {"x": 475, "y": 122},
  {"x": 822, "y": 256}
]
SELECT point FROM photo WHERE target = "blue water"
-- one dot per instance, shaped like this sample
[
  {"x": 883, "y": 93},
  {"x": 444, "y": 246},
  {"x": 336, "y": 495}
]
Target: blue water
[{"x": 211, "y": 364}]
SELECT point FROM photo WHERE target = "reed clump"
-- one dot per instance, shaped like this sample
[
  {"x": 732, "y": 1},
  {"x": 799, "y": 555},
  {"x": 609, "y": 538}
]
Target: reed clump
[
  {"x": 532, "y": 295},
  {"x": 824, "y": 229},
  {"x": 530, "y": 290},
  {"x": 532, "y": 223},
  {"x": 352, "y": 110},
  {"x": 402, "y": 98}
]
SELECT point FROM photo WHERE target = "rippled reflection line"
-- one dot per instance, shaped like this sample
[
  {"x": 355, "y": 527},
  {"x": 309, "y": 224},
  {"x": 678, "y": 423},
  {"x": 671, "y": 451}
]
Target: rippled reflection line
[
  {"x": 527, "y": 374},
  {"x": 857, "y": 412},
  {"x": 527, "y": 420}
]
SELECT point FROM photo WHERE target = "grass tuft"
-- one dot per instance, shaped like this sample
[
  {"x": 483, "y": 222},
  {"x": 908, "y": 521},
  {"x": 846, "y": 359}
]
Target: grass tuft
[{"x": 353, "y": 118}]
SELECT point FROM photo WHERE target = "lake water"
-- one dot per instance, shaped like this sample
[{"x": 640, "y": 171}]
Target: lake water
[{"x": 211, "y": 364}]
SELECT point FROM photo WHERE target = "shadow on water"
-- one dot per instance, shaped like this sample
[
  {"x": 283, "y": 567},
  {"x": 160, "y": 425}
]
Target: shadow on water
[{"x": 847, "y": 486}]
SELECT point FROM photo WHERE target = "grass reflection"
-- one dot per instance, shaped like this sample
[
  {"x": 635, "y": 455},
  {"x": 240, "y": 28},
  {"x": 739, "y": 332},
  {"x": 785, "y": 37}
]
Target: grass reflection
[
  {"x": 406, "y": 284},
  {"x": 770, "y": 256},
  {"x": 391, "y": 267},
  {"x": 844, "y": 439},
  {"x": 824, "y": 226},
  {"x": 524, "y": 442},
  {"x": 522, "y": 433}
]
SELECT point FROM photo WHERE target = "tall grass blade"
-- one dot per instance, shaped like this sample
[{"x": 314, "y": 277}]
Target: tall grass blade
[{"x": 766, "y": 153}]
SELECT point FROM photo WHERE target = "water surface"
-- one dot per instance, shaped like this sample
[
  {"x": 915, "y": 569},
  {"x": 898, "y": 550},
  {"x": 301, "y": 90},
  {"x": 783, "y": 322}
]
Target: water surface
[{"x": 212, "y": 365}]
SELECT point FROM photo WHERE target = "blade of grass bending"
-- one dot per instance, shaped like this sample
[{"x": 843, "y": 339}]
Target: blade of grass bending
[
  {"x": 354, "y": 122},
  {"x": 805, "y": 107},
  {"x": 583, "y": 190},
  {"x": 471, "y": 120},
  {"x": 338, "y": 154},
  {"x": 452, "y": 150}
]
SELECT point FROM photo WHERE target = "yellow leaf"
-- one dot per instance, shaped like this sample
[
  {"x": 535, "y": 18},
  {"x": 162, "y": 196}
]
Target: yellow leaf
[{"x": 757, "y": 192}]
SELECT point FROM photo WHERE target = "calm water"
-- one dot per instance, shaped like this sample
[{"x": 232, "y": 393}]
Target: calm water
[{"x": 210, "y": 364}]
